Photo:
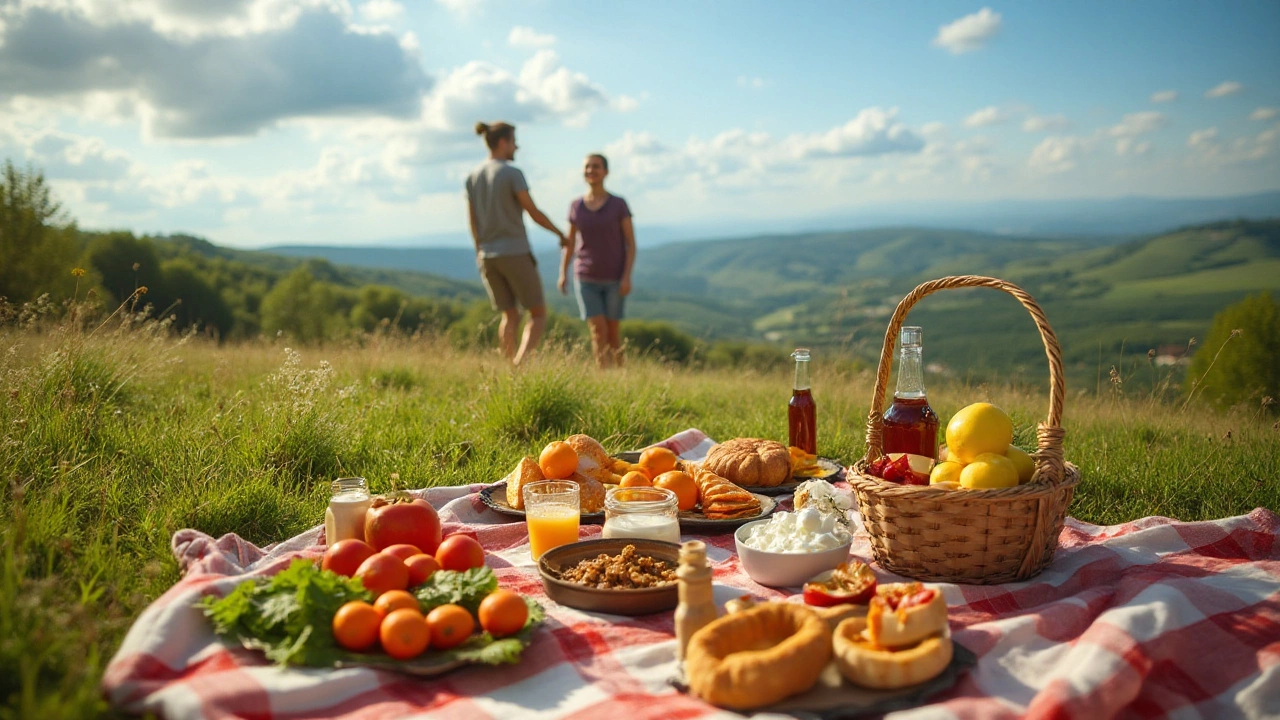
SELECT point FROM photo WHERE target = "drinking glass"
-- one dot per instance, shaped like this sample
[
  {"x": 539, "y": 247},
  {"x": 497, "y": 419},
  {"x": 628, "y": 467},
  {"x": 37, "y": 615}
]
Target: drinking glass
[{"x": 551, "y": 510}]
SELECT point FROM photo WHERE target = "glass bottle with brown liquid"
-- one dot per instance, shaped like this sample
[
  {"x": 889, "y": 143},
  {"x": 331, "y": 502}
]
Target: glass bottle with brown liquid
[
  {"x": 910, "y": 425},
  {"x": 802, "y": 411}
]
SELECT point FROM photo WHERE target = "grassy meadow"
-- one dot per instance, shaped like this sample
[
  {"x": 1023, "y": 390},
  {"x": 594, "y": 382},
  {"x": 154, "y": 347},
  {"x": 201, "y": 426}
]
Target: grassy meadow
[{"x": 114, "y": 436}]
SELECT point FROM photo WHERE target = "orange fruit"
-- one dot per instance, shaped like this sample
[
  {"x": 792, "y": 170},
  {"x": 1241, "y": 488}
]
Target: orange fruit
[
  {"x": 635, "y": 478},
  {"x": 421, "y": 567},
  {"x": 450, "y": 625},
  {"x": 394, "y": 600},
  {"x": 637, "y": 467},
  {"x": 382, "y": 572},
  {"x": 404, "y": 634},
  {"x": 558, "y": 460},
  {"x": 682, "y": 485},
  {"x": 658, "y": 460},
  {"x": 403, "y": 551},
  {"x": 503, "y": 613},
  {"x": 355, "y": 625}
]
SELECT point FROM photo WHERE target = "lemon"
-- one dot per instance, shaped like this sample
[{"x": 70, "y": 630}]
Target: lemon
[
  {"x": 989, "y": 470},
  {"x": 1021, "y": 460},
  {"x": 945, "y": 472},
  {"x": 978, "y": 428}
]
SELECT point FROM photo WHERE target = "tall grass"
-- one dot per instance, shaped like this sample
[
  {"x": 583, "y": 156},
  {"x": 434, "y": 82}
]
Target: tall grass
[{"x": 115, "y": 435}]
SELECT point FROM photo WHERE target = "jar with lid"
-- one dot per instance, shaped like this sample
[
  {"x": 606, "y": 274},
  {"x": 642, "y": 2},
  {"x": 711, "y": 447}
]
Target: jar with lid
[
  {"x": 642, "y": 512},
  {"x": 344, "y": 518}
]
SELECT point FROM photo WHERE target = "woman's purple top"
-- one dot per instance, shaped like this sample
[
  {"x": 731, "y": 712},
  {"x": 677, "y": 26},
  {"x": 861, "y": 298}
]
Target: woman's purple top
[{"x": 602, "y": 249}]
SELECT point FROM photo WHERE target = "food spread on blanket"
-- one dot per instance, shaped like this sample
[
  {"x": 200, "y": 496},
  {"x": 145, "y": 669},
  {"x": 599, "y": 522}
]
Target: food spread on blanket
[{"x": 979, "y": 454}]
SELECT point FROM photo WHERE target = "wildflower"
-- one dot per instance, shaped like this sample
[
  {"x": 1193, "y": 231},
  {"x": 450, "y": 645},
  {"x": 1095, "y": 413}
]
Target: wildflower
[
  {"x": 142, "y": 290},
  {"x": 78, "y": 272},
  {"x": 136, "y": 266}
]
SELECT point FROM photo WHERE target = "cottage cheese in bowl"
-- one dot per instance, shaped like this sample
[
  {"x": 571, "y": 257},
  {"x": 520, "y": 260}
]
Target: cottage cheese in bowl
[{"x": 806, "y": 531}]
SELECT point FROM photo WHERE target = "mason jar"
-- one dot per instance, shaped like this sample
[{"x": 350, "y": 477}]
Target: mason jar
[{"x": 642, "y": 512}]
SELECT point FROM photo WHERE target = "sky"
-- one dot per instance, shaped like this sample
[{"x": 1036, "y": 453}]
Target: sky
[{"x": 268, "y": 122}]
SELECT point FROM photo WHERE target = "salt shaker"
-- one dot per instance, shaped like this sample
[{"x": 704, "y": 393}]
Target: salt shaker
[{"x": 697, "y": 604}]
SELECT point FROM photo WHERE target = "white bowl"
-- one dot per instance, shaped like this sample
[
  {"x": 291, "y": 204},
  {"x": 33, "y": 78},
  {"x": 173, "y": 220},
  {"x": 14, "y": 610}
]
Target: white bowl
[{"x": 778, "y": 569}]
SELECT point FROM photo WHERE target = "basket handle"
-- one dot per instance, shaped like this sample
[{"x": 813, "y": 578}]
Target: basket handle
[{"x": 1048, "y": 456}]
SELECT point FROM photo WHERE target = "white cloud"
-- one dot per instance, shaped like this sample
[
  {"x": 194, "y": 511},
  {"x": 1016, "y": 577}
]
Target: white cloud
[
  {"x": 1223, "y": 89},
  {"x": 1140, "y": 123},
  {"x": 969, "y": 33},
  {"x": 544, "y": 90},
  {"x": 556, "y": 90},
  {"x": 625, "y": 104},
  {"x": 751, "y": 82},
  {"x": 1264, "y": 113},
  {"x": 1057, "y": 154},
  {"x": 1127, "y": 146},
  {"x": 213, "y": 84},
  {"x": 1045, "y": 123},
  {"x": 1164, "y": 96},
  {"x": 1202, "y": 138},
  {"x": 989, "y": 115},
  {"x": 527, "y": 37},
  {"x": 380, "y": 10},
  {"x": 464, "y": 8},
  {"x": 874, "y": 131}
]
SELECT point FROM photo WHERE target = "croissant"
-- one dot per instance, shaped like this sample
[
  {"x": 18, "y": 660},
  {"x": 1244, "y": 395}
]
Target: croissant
[
  {"x": 593, "y": 461},
  {"x": 751, "y": 462},
  {"x": 721, "y": 499},
  {"x": 881, "y": 668},
  {"x": 758, "y": 656}
]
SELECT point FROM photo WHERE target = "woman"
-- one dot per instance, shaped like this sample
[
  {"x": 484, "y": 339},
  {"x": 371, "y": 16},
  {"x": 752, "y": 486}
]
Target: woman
[{"x": 601, "y": 235}]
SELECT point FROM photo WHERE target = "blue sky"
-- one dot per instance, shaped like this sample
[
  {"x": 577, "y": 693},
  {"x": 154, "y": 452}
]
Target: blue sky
[{"x": 258, "y": 122}]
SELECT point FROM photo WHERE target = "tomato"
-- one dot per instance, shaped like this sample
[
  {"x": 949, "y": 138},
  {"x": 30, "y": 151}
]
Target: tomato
[
  {"x": 919, "y": 598},
  {"x": 381, "y": 573},
  {"x": 404, "y": 551},
  {"x": 503, "y": 613},
  {"x": 460, "y": 552},
  {"x": 404, "y": 634},
  {"x": 355, "y": 625},
  {"x": 852, "y": 585},
  {"x": 401, "y": 518},
  {"x": 450, "y": 625},
  {"x": 344, "y": 557},
  {"x": 394, "y": 600},
  {"x": 421, "y": 567}
]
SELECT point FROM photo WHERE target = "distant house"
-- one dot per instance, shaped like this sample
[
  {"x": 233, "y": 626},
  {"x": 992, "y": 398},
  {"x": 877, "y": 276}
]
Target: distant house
[{"x": 1167, "y": 355}]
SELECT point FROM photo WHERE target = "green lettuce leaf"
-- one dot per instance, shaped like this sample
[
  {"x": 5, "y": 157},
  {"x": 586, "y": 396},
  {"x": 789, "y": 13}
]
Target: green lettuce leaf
[{"x": 450, "y": 587}]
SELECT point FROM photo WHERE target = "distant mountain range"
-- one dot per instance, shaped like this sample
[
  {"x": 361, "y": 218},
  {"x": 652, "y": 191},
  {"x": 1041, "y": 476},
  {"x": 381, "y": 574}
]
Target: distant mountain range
[{"x": 1126, "y": 216}]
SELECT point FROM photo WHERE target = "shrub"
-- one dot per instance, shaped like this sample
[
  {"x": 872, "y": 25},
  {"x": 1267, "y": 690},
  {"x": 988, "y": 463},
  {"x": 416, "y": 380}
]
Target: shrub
[
  {"x": 659, "y": 340},
  {"x": 1240, "y": 359}
]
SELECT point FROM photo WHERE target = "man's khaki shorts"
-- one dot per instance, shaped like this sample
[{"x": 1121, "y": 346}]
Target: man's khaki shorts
[{"x": 512, "y": 278}]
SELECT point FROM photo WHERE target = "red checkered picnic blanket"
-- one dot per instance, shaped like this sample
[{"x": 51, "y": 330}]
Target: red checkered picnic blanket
[{"x": 1151, "y": 618}]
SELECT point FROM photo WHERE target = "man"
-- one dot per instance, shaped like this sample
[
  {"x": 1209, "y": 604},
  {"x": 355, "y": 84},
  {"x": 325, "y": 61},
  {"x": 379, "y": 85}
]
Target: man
[{"x": 497, "y": 195}]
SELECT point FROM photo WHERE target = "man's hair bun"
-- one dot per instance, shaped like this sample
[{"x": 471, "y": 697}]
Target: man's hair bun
[{"x": 482, "y": 128}]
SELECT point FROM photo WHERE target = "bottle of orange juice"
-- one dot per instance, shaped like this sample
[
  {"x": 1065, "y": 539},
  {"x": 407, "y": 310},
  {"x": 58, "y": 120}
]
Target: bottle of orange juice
[{"x": 551, "y": 512}]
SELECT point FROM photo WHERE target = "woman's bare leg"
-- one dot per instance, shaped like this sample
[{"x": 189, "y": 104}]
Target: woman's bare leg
[
  {"x": 614, "y": 335},
  {"x": 597, "y": 324}
]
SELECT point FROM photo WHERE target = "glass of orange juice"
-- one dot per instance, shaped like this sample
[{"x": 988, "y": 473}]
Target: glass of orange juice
[{"x": 551, "y": 510}]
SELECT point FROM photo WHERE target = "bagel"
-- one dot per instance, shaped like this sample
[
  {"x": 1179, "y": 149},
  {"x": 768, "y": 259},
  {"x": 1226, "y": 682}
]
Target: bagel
[
  {"x": 903, "y": 614},
  {"x": 880, "y": 668},
  {"x": 758, "y": 656}
]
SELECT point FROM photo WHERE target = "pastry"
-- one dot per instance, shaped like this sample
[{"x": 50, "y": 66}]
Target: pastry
[
  {"x": 527, "y": 471},
  {"x": 723, "y": 500},
  {"x": 593, "y": 461},
  {"x": 866, "y": 664},
  {"x": 903, "y": 614},
  {"x": 758, "y": 656},
  {"x": 750, "y": 462},
  {"x": 590, "y": 493}
]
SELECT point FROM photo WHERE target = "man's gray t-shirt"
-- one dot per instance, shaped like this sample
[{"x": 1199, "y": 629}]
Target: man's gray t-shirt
[{"x": 492, "y": 189}]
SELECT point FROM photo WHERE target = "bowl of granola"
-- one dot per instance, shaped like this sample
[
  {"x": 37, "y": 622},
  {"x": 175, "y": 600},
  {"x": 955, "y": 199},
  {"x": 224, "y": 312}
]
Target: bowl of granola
[{"x": 619, "y": 576}]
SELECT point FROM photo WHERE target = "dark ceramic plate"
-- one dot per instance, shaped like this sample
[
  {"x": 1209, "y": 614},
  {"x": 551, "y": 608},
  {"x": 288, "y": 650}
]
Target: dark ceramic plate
[
  {"x": 644, "y": 601},
  {"x": 495, "y": 496}
]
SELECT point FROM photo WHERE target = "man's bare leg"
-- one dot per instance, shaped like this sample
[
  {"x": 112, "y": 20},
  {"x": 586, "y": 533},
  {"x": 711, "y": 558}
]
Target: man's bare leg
[
  {"x": 532, "y": 333},
  {"x": 507, "y": 332},
  {"x": 600, "y": 340}
]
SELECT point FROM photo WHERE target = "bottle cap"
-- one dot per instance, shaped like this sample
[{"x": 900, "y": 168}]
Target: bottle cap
[
  {"x": 912, "y": 336},
  {"x": 800, "y": 354}
]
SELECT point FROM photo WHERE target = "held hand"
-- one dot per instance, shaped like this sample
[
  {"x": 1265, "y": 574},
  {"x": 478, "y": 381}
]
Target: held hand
[
  {"x": 564, "y": 240},
  {"x": 625, "y": 288}
]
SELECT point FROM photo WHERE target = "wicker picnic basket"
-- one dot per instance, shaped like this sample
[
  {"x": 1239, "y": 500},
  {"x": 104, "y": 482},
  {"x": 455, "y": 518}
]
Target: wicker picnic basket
[{"x": 968, "y": 536}]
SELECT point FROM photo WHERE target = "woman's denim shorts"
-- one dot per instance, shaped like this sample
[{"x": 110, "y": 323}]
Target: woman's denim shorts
[{"x": 600, "y": 298}]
